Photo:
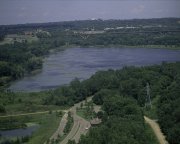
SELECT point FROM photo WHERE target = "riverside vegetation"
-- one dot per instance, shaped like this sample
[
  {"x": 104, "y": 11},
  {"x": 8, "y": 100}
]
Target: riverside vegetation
[
  {"x": 25, "y": 56},
  {"x": 122, "y": 95}
]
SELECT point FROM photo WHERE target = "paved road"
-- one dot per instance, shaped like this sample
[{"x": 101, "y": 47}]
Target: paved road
[
  {"x": 155, "y": 126},
  {"x": 79, "y": 127}
]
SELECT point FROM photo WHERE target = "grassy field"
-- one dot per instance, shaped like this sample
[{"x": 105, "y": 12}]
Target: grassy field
[
  {"x": 82, "y": 113},
  {"x": 47, "y": 123},
  {"x": 152, "y": 113},
  {"x": 85, "y": 114},
  {"x": 18, "y": 103}
]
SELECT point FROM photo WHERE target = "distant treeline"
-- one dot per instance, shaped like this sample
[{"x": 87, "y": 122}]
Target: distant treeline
[
  {"x": 62, "y": 33},
  {"x": 98, "y": 24}
]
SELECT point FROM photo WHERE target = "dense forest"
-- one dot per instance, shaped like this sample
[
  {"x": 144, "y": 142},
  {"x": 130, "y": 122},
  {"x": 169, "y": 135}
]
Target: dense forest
[
  {"x": 19, "y": 58},
  {"x": 122, "y": 94},
  {"x": 119, "y": 92},
  {"x": 169, "y": 111},
  {"x": 122, "y": 123}
]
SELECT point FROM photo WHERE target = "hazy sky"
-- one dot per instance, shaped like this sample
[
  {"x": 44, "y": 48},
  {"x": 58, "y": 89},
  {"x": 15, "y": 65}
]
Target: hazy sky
[{"x": 35, "y": 11}]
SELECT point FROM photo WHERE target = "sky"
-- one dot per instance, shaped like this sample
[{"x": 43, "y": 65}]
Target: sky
[{"x": 39, "y": 11}]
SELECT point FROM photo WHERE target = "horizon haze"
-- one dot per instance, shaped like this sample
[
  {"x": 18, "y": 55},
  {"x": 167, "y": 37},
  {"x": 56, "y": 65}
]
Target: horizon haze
[{"x": 39, "y": 11}]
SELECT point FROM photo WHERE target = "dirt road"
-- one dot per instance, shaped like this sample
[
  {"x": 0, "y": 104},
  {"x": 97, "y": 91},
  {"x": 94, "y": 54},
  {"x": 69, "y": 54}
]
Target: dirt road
[{"x": 155, "y": 126}]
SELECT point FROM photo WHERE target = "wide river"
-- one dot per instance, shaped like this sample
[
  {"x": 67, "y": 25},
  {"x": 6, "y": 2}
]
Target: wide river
[{"x": 62, "y": 67}]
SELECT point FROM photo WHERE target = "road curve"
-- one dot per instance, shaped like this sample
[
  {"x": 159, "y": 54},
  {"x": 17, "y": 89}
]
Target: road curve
[
  {"x": 79, "y": 127},
  {"x": 155, "y": 126}
]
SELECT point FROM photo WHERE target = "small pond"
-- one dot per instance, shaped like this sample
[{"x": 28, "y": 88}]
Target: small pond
[{"x": 21, "y": 132}]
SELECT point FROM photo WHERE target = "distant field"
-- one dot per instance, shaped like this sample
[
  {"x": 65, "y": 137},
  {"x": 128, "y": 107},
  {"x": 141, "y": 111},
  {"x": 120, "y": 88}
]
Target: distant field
[
  {"x": 10, "y": 39},
  {"x": 48, "y": 124}
]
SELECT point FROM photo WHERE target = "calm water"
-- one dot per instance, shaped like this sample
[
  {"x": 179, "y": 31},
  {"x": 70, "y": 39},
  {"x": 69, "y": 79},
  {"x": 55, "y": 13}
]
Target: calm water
[
  {"x": 60, "y": 68},
  {"x": 19, "y": 132}
]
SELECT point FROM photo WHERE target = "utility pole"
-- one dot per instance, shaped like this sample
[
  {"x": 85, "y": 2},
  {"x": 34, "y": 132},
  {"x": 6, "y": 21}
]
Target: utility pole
[{"x": 148, "y": 97}]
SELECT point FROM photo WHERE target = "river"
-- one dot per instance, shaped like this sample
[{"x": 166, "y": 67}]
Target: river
[{"x": 61, "y": 67}]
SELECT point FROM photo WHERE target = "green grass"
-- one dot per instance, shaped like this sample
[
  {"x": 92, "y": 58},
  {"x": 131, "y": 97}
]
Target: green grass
[
  {"x": 152, "y": 113},
  {"x": 82, "y": 113},
  {"x": 31, "y": 108},
  {"x": 17, "y": 103},
  {"x": 67, "y": 129},
  {"x": 48, "y": 125}
]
